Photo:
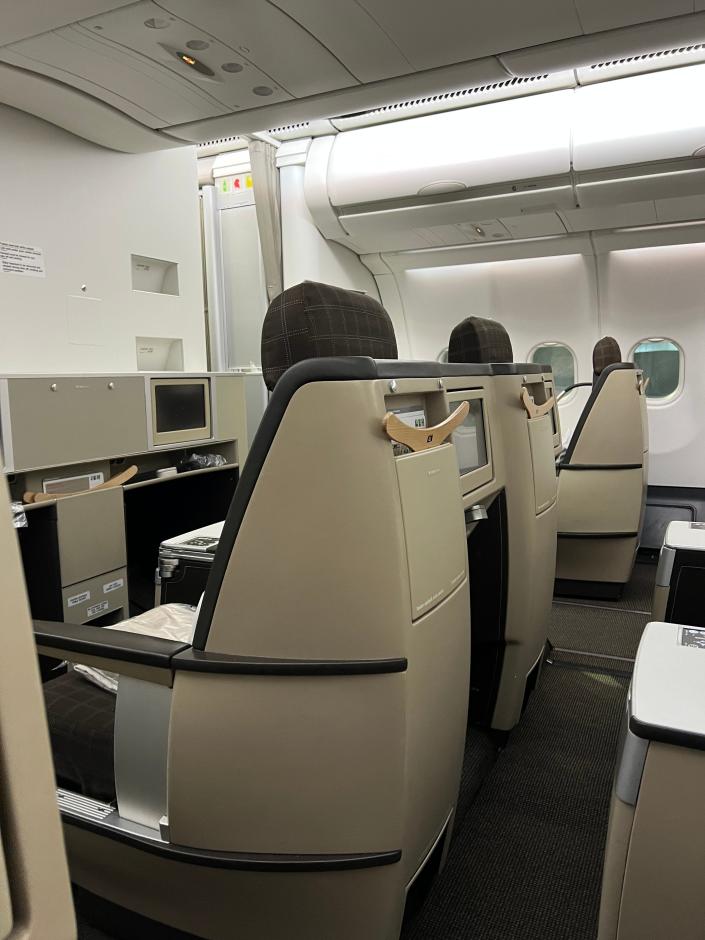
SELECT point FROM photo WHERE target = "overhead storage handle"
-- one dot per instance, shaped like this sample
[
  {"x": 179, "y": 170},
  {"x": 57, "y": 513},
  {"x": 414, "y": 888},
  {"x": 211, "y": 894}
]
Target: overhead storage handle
[
  {"x": 532, "y": 409},
  {"x": 424, "y": 438}
]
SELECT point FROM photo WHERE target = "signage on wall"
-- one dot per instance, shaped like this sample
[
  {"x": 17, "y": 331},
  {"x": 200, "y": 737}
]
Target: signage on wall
[
  {"x": 236, "y": 190},
  {"x": 21, "y": 259}
]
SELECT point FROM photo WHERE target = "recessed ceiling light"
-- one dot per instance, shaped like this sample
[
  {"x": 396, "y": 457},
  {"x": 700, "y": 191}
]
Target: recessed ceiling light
[
  {"x": 262, "y": 90},
  {"x": 195, "y": 64},
  {"x": 198, "y": 44},
  {"x": 232, "y": 67},
  {"x": 154, "y": 22}
]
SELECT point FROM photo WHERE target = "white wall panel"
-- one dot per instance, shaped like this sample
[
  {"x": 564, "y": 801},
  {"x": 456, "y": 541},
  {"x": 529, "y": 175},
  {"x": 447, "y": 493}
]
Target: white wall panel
[
  {"x": 89, "y": 209},
  {"x": 537, "y": 299},
  {"x": 306, "y": 254},
  {"x": 660, "y": 291}
]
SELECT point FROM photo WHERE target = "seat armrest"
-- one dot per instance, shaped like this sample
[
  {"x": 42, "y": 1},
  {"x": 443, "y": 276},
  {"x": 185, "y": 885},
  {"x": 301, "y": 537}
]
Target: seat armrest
[{"x": 133, "y": 654}]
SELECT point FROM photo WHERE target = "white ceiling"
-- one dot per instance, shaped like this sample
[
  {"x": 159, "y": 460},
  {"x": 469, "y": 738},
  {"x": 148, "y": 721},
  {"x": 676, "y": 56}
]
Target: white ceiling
[{"x": 292, "y": 60}]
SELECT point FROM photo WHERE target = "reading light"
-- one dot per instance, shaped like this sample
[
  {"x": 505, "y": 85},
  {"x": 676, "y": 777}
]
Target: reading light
[{"x": 194, "y": 63}]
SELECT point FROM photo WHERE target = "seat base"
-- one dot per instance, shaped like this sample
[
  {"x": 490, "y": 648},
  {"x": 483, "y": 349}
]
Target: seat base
[{"x": 588, "y": 590}]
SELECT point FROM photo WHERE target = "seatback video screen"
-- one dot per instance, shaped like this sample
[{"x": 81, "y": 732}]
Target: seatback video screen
[
  {"x": 469, "y": 439},
  {"x": 180, "y": 407}
]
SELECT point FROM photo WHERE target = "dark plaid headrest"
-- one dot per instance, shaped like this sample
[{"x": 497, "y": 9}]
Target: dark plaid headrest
[
  {"x": 479, "y": 340},
  {"x": 312, "y": 320},
  {"x": 606, "y": 353}
]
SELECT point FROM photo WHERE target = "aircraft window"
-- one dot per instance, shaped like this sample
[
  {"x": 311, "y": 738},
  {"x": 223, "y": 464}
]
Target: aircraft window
[
  {"x": 662, "y": 362},
  {"x": 561, "y": 359}
]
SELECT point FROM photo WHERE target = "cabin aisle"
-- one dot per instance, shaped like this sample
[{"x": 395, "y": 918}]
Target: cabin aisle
[{"x": 526, "y": 862}]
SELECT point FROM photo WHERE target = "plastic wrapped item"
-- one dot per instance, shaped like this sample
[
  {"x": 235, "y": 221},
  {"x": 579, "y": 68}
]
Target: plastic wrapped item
[
  {"x": 19, "y": 516},
  {"x": 200, "y": 461}
]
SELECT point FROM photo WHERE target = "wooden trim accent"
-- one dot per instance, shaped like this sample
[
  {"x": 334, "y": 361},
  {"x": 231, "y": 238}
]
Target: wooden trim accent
[
  {"x": 424, "y": 438},
  {"x": 532, "y": 409},
  {"x": 117, "y": 480}
]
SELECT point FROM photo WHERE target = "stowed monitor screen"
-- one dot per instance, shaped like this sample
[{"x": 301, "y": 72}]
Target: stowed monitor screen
[
  {"x": 469, "y": 439},
  {"x": 180, "y": 407},
  {"x": 415, "y": 417}
]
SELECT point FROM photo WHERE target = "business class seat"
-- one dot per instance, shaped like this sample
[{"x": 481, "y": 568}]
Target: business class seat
[
  {"x": 291, "y": 772},
  {"x": 602, "y": 482},
  {"x": 35, "y": 894},
  {"x": 512, "y": 651}
]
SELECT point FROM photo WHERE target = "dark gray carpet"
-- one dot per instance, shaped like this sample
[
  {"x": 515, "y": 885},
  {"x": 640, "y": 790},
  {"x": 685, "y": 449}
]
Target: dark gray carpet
[
  {"x": 596, "y": 630},
  {"x": 527, "y": 862}
]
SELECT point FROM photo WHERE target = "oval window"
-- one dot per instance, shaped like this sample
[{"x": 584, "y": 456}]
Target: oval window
[
  {"x": 561, "y": 360},
  {"x": 662, "y": 363}
]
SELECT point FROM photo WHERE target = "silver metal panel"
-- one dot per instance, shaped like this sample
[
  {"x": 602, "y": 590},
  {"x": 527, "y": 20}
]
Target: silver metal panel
[
  {"x": 75, "y": 806},
  {"x": 665, "y": 566},
  {"x": 631, "y": 764},
  {"x": 142, "y": 715},
  {"x": 213, "y": 253}
]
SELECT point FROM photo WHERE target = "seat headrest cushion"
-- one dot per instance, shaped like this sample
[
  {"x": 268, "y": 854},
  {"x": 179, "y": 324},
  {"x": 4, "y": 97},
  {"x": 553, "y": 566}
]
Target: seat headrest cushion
[
  {"x": 477, "y": 339},
  {"x": 312, "y": 320},
  {"x": 606, "y": 353}
]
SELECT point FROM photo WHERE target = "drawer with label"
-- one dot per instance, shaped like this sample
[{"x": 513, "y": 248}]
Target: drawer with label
[{"x": 96, "y": 597}]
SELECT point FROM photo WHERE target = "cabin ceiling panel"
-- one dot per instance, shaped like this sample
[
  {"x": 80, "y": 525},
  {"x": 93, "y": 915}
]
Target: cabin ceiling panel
[
  {"x": 615, "y": 216},
  {"x": 267, "y": 38},
  {"x": 596, "y": 15},
  {"x": 128, "y": 82},
  {"x": 534, "y": 225},
  {"x": 32, "y": 17},
  {"x": 243, "y": 85},
  {"x": 680, "y": 209},
  {"x": 78, "y": 114},
  {"x": 351, "y": 34},
  {"x": 430, "y": 35}
]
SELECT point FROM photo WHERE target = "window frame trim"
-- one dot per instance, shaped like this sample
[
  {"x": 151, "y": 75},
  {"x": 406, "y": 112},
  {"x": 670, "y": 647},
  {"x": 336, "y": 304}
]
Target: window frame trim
[
  {"x": 572, "y": 395},
  {"x": 663, "y": 401}
]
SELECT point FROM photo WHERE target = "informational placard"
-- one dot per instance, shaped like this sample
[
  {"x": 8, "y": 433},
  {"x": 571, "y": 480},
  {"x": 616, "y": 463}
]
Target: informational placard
[{"x": 21, "y": 259}]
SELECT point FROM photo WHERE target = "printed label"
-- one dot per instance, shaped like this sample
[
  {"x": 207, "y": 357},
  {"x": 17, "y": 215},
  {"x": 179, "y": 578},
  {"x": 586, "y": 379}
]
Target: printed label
[
  {"x": 21, "y": 259},
  {"x": 113, "y": 585},
  {"x": 693, "y": 636},
  {"x": 97, "y": 608},
  {"x": 79, "y": 599}
]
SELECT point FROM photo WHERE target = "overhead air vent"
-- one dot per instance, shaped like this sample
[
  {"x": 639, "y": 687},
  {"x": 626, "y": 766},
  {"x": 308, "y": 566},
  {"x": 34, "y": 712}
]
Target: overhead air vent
[
  {"x": 458, "y": 98},
  {"x": 656, "y": 57},
  {"x": 641, "y": 64},
  {"x": 220, "y": 145},
  {"x": 302, "y": 125}
]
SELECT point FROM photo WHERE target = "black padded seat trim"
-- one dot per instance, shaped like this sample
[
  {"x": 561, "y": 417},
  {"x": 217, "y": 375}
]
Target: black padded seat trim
[
  {"x": 238, "y": 861},
  {"x": 601, "y": 466},
  {"x": 197, "y": 661},
  {"x": 67, "y": 638},
  {"x": 597, "y": 388},
  {"x": 675, "y": 736},
  {"x": 597, "y": 535},
  {"x": 338, "y": 369}
]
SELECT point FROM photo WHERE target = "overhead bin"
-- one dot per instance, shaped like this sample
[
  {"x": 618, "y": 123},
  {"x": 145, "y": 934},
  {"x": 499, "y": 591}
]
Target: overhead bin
[
  {"x": 640, "y": 119},
  {"x": 451, "y": 152},
  {"x": 620, "y": 153}
]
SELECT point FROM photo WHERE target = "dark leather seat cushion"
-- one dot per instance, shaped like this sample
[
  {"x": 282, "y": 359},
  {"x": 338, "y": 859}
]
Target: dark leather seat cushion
[
  {"x": 312, "y": 320},
  {"x": 81, "y": 726},
  {"x": 477, "y": 339}
]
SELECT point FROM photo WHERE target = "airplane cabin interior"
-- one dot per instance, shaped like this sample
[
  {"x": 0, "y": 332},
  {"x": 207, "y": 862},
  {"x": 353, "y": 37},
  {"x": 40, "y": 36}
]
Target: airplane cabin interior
[{"x": 353, "y": 505}]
